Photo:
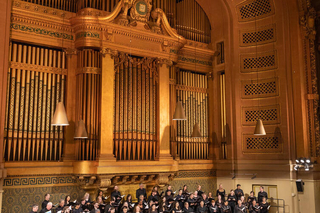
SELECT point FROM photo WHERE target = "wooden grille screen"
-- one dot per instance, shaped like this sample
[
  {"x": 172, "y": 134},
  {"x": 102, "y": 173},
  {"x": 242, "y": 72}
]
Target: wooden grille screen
[
  {"x": 262, "y": 35},
  {"x": 251, "y": 9},
  {"x": 259, "y": 88},
  {"x": 89, "y": 101},
  {"x": 258, "y": 62},
  {"x": 269, "y": 144},
  {"x": 135, "y": 120},
  {"x": 191, "y": 90},
  {"x": 36, "y": 83},
  {"x": 268, "y": 114}
]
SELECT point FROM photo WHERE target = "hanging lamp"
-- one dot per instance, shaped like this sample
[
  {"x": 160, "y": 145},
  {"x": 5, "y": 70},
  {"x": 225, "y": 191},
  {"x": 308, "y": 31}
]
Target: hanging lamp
[
  {"x": 259, "y": 130},
  {"x": 60, "y": 116},
  {"x": 196, "y": 131},
  {"x": 196, "y": 128},
  {"x": 81, "y": 132},
  {"x": 179, "y": 112}
]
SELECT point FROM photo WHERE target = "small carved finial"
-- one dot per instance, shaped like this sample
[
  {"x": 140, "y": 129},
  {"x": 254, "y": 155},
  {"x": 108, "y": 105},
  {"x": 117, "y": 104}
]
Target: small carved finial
[
  {"x": 109, "y": 51},
  {"x": 105, "y": 181},
  {"x": 70, "y": 51},
  {"x": 307, "y": 21},
  {"x": 164, "y": 61}
]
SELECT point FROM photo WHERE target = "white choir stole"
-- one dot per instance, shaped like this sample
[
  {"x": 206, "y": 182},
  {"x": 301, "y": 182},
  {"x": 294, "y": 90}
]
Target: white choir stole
[{"x": 243, "y": 209}]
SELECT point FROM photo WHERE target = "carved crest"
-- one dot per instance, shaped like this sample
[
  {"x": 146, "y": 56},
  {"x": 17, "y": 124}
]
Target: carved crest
[{"x": 140, "y": 10}]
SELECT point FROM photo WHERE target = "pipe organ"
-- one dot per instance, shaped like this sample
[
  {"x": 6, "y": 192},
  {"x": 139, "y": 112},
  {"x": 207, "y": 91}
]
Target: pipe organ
[
  {"x": 38, "y": 74},
  {"x": 191, "y": 90},
  {"x": 135, "y": 117},
  {"x": 191, "y": 21},
  {"x": 36, "y": 83},
  {"x": 89, "y": 101}
]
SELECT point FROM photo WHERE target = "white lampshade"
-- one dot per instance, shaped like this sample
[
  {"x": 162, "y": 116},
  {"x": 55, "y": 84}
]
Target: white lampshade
[
  {"x": 259, "y": 130},
  {"x": 81, "y": 132},
  {"x": 196, "y": 131},
  {"x": 60, "y": 116},
  {"x": 179, "y": 112}
]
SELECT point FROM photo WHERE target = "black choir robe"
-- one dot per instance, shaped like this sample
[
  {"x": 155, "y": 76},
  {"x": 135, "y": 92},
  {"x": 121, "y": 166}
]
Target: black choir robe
[
  {"x": 238, "y": 193},
  {"x": 44, "y": 204},
  {"x": 213, "y": 209},
  {"x": 226, "y": 209},
  {"x": 262, "y": 195},
  {"x": 240, "y": 209},
  {"x": 141, "y": 192},
  {"x": 254, "y": 209},
  {"x": 188, "y": 210},
  {"x": 264, "y": 208},
  {"x": 203, "y": 209}
]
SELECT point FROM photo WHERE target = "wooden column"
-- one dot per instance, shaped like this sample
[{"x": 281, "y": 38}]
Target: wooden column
[
  {"x": 69, "y": 145},
  {"x": 5, "y": 14},
  {"x": 107, "y": 104},
  {"x": 164, "y": 108},
  {"x": 214, "y": 121}
]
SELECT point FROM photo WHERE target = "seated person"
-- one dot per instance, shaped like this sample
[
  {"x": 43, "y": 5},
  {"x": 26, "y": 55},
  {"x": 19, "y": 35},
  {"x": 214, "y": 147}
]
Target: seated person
[
  {"x": 35, "y": 208},
  {"x": 47, "y": 208}
]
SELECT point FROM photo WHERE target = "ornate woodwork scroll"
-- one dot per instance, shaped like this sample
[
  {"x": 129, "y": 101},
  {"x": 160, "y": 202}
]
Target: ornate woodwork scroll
[
  {"x": 307, "y": 23},
  {"x": 36, "y": 83},
  {"x": 187, "y": 16},
  {"x": 191, "y": 90},
  {"x": 135, "y": 118}
]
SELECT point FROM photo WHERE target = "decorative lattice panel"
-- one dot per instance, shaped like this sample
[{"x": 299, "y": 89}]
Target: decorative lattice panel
[
  {"x": 254, "y": 9},
  {"x": 260, "y": 88},
  {"x": 258, "y": 61},
  {"x": 268, "y": 144},
  {"x": 262, "y": 35},
  {"x": 268, "y": 114}
]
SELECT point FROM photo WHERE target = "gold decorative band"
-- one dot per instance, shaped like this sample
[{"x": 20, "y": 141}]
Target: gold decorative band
[
  {"x": 191, "y": 89},
  {"x": 38, "y": 68},
  {"x": 91, "y": 70}
]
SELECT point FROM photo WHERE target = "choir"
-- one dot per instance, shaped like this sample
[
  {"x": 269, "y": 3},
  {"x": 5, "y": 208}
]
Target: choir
[{"x": 170, "y": 201}]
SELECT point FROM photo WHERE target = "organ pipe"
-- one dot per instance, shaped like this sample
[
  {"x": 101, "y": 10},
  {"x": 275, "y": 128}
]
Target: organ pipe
[
  {"x": 135, "y": 119},
  {"x": 36, "y": 83},
  {"x": 89, "y": 101},
  {"x": 191, "y": 89}
]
